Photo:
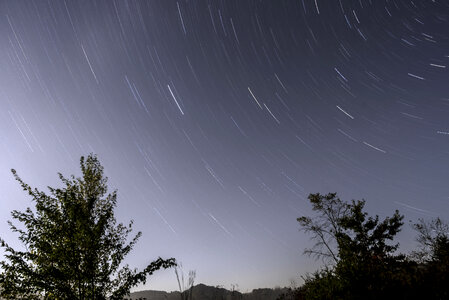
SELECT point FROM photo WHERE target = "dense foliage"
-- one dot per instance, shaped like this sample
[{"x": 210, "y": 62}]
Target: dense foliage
[
  {"x": 73, "y": 246},
  {"x": 361, "y": 259}
]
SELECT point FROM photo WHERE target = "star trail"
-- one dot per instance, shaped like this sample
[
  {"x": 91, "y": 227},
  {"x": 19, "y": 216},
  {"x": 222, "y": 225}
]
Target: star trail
[{"x": 215, "y": 119}]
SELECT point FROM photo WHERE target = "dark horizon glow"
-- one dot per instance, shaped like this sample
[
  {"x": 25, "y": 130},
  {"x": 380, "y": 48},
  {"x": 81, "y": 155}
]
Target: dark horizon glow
[{"x": 216, "y": 119}]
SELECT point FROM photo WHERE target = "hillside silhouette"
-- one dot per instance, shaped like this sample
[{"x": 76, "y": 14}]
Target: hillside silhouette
[{"x": 205, "y": 292}]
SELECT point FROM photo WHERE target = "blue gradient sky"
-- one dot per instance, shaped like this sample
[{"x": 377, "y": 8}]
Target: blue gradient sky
[{"x": 216, "y": 119}]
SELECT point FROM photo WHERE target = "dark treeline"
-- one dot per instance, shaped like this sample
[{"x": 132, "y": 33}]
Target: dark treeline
[{"x": 361, "y": 259}]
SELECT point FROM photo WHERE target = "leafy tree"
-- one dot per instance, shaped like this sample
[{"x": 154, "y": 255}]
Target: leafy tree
[
  {"x": 74, "y": 247},
  {"x": 362, "y": 235},
  {"x": 433, "y": 239},
  {"x": 324, "y": 226},
  {"x": 367, "y": 263},
  {"x": 362, "y": 262},
  {"x": 433, "y": 258},
  {"x": 361, "y": 257}
]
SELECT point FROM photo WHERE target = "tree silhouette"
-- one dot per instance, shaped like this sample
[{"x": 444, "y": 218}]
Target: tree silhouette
[
  {"x": 362, "y": 264},
  {"x": 74, "y": 247},
  {"x": 324, "y": 226},
  {"x": 433, "y": 256},
  {"x": 362, "y": 260}
]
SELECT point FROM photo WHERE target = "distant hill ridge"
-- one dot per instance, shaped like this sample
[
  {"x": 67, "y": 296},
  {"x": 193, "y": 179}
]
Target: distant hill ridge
[{"x": 205, "y": 292}]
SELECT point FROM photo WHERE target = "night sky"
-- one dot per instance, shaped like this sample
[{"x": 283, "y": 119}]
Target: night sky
[{"x": 216, "y": 119}]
